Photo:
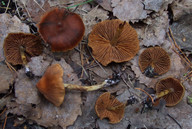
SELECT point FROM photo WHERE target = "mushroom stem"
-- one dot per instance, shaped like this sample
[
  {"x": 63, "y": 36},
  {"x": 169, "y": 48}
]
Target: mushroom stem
[
  {"x": 23, "y": 57},
  {"x": 84, "y": 88},
  {"x": 117, "y": 34},
  {"x": 162, "y": 93},
  {"x": 113, "y": 108}
]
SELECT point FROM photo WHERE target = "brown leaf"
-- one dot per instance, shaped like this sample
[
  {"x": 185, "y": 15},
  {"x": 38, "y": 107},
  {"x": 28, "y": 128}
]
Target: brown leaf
[{"x": 7, "y": 78}]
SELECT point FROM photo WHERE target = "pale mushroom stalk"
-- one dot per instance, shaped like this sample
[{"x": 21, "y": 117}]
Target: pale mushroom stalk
[
  {"x": 24, "y": 59},
  {"x": 162, "y": 93},
  {"x": 117, "y": 34},
  {"x": 106, "y": 83}
]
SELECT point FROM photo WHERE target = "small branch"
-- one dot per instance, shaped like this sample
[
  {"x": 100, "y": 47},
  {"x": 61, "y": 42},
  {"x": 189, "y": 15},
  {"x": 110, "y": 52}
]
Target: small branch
[{"x": 174, "y": 120}]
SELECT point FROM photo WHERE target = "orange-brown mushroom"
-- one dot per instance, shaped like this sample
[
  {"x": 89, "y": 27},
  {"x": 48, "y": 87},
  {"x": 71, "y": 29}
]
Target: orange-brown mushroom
[
  {"x": 171, "y": 90},
  {"x": 14, "y": 42},
  {"x": 113, "y": 41},
  {"x": 107, "y": 106},
  {"x": 154, "y": 61},
  {"x": 52, "y": 87},
  {"x": 62, "y": 29}
]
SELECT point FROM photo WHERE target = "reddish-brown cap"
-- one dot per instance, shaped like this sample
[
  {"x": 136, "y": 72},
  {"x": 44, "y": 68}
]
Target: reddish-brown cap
[
  {"x": 107, "y": 106},
  {"x": 51, "y": 85},
  {"x": 124, "y": 48},
  {"x": 13, "y": 42},
  {"x": 154, "y": 61},
  {"x": 62, "y": 29},
  {"x": 175, "y": 88}
]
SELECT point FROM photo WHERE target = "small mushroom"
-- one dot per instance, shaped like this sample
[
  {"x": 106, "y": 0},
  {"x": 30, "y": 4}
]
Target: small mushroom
[
  {"x": 154, "y": 61},
  {"x": 15, "y": 42},
  {"x": 107, "y": 106},
  {"x": 113, "y": 41},
  {"x": 62, "y": 29},
  {"x": 171, "y": 90},
  {"x": 52, "y": 87}
]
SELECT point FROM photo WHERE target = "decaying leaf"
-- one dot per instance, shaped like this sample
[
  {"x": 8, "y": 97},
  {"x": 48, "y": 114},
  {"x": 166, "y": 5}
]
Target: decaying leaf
[
  {"x": 6, "y": 78},
  {"x": 129, "y": 10},
  {"x": 38, "y": 65},
  {"x": 62, "y": 2},
  {"x": 181, "y": 8},
  {"x": 45, "y": 113},
  {"x": 155, "y": 32},
  {"x": 36, "y": 8},
  {"x": 94, "y": 16},
  {"x": 10, "y": 24},
  {"x": 25, "y": 90},
  {"x": 182, "y": 32},
  {"x": 176, "y": 69},
  {"x": 106, "y": 4}
]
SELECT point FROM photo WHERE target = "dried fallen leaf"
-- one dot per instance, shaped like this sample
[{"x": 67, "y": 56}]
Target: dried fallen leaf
[
  {"x": 94, "y": 16},
  {"x": 38, "y": 65},
  {"x": 45, "y": 113},
  {"x": 181, "y": 8},
  {"x": 10, "y": 24},
  {"x": 106, "y": 4},
  {"x": 129, "y": 10},
  {"x": 7, "y": 78},
  {"x": 155, "y": 32}
]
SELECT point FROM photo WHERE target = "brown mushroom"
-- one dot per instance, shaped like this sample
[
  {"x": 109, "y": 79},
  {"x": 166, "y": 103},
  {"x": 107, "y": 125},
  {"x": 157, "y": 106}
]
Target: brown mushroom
[
  {"x": 154, "y": 61},
  {"x": 52, "y": 87},
  {"x": 14, "y": 42},
  {"x": 113, "y": 41},
  {"x": 107, "y": 106},
  {"x": 171, "y": 90},
  {"x": 62, "y": 29}
]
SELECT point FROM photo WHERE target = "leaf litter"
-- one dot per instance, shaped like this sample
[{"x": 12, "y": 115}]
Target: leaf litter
[{"x": 151, "y": 20}]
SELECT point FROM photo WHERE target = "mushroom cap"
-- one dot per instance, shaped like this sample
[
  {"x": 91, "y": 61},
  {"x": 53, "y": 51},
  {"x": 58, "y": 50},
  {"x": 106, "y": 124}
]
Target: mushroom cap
[
  {"x": 51, "y": 84},
  {"x": 13, "y": 42},
  {"x": 62, "y": 29},
  {"x": 101, "y": 36},
  {"x": 157, "y": 57},
  {"x": 177, "y": 90},
  {"x": 103, "y": 105}
]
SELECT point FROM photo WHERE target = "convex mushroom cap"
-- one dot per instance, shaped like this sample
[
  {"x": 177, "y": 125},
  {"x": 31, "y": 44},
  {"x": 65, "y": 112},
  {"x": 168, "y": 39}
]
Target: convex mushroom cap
[
  {"x": 13, "y": 43},
  {"x": 51, "y": 85},
  {"x": 107, "y": 106},
  {"x": 62, "y": 29},
  {"x": 175, "y": 88},
  {"x": 154, "y": 61},
  {"x": 113, "y": 41}
]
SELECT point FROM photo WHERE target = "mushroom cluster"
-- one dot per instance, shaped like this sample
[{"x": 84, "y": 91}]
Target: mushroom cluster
[{"x": 113, "y": 41}]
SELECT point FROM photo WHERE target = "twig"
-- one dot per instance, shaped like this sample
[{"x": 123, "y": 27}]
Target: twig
[
  {"x": 82, "y": 62},
  {"x": 3, "y": 111},
  {"x": 39, "y": 5},
  {"x": 97, "y": 61},
  {"x": 7, "y": 6},
  {"x": 175, "y": 121},
  {"x": 146, "y": 94},
  {"x": 81, "y": 52},
  {"x": 5, "y": 122},
  {"x": 10, "y": 67}
]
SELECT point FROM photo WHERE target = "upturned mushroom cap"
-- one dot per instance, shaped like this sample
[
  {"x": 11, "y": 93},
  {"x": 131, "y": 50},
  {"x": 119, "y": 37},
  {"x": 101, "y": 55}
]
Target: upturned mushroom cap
[
  {"x": 62, "y": 29},
  {"x": 154, "y": 61},
  {"x": 13, "y": 42},
  {"x": 175, "y": 87},
  {"x": 123, "y": 49},
  {"x": 51, "y": 85},
  {"x": 107, "y": 106}
]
